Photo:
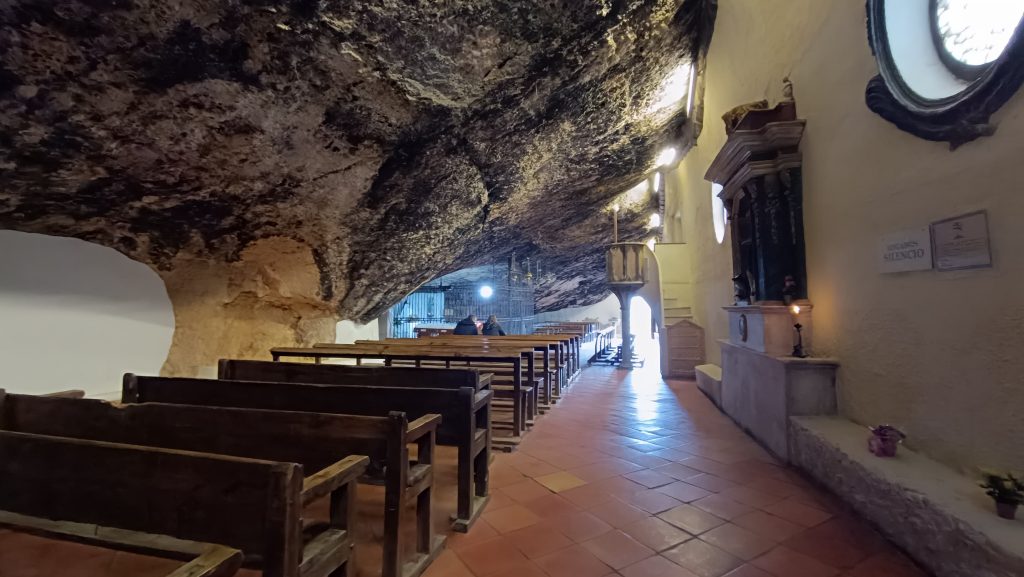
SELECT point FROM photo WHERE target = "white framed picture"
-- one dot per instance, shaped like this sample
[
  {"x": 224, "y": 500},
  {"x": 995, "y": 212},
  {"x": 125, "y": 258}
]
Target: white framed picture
[{"x": 961, "y": 242}]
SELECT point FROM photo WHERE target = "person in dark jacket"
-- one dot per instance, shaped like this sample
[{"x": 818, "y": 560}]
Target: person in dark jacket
[
  {"x": 466, "y": 326},
  {"x": 492, "y": 328}
]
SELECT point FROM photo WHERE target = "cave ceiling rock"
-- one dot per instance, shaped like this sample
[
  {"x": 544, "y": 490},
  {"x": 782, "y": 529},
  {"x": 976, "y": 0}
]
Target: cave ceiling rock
[{"x": 397, "y": 140}]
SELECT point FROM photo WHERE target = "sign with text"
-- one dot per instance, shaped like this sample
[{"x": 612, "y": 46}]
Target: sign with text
[
  {"x": 905, "y": 251},
  {"x": 962, "y": 242}
]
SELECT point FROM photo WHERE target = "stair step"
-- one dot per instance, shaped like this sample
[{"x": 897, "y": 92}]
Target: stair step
[{"x": 683, "y": 346}]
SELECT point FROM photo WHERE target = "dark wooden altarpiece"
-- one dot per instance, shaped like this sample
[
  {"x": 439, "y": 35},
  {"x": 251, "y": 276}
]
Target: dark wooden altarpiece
[{"x": 760, "y": 171}]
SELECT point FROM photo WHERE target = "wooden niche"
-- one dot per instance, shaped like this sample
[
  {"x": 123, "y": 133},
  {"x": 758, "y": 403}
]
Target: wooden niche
[{"x": 759, "y": 169}]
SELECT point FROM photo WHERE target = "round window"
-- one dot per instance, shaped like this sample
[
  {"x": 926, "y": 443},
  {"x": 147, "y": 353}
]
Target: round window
[
  {"x": 972, "y": 34},
  {"x": 718, "y": 214},
  {"x": 945, "y": 65}
]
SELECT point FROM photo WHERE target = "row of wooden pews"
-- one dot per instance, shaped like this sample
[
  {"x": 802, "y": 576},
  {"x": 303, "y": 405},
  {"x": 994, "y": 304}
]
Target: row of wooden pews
[
  {"x": 528, "y": 373},
  {"x": 235, "y": 471}
]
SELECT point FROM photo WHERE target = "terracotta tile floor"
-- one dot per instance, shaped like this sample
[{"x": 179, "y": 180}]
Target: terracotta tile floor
[{"x": 628, "y": 475}]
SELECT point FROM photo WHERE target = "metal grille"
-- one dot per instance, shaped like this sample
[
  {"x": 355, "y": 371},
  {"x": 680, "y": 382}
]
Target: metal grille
[
  {"x": 423, "y": 307},
  {"x": 447, "y": 305}
]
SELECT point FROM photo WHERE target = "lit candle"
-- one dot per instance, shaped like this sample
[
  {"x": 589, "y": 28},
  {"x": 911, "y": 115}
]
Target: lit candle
[{"x": 796, "y": 310}]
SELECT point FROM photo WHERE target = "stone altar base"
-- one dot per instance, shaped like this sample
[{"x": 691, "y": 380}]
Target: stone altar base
[
  {"x": 709, "y": 380},
  {"x": 761, "y": 392}
]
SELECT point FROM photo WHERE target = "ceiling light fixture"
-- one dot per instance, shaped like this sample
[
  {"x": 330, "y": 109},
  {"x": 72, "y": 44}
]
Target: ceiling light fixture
[
  {"x": 689, "y": 91},
  {"x": 674, "y": 90},
  {"x": 667, "y": 156}
]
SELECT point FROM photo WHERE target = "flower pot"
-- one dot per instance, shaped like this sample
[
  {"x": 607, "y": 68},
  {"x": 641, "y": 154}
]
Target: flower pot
[
  {"x": 1006, "y": 510},
  {"x": 883, "y": 446}
]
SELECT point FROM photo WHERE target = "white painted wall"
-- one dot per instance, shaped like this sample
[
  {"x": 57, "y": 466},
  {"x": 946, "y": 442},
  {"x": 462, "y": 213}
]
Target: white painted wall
[
  {"x": 348, "y": 332},
  {"x": 77, "y": 315},
  {"x": 603, "y": 311}
]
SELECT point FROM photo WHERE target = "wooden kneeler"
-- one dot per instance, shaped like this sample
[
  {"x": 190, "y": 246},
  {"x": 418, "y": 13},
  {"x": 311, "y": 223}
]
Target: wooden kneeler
[
  {"x": 329, "y": 447},
  {"x": 465, "y": 411}
]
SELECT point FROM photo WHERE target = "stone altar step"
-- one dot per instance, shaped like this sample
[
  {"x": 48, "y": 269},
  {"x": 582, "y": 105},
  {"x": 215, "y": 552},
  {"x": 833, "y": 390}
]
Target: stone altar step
[{"x": 941, "y": 518}]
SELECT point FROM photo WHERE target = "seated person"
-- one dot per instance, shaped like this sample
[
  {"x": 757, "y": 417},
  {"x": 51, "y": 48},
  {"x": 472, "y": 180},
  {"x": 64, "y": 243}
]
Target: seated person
[
  {"x": 466, "y": 326},
  {"x": 492, "y": 328}
]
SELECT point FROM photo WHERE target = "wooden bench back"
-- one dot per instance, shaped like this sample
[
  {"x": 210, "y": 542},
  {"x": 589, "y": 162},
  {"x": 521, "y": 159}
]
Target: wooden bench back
[
  {"x": 540, "y": 348},
  {"x": 285, "y": 372},
  {"x": 244, "y": 503},
  {"x": 312, "y": 440},
  {"x": 413, "y": 348},
  {"x": 454, "y": 405}
]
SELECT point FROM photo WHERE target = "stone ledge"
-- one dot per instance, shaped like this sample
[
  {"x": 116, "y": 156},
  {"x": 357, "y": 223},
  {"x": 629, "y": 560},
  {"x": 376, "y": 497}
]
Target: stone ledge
[
  {"x": 709, "y": 380},
  {"x": 939, "y": 517}
]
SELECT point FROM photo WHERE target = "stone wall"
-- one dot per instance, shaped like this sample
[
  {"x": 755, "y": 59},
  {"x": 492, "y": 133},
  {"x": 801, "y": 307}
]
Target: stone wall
[{"x": 269, "y": 297}]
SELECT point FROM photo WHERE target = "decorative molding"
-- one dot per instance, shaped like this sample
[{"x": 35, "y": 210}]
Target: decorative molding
[{"x": 743, "y": 145}]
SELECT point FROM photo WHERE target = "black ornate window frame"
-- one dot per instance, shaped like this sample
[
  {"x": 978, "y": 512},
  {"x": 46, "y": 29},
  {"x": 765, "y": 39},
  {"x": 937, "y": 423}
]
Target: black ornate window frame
[{"x": 956, "y": 119}]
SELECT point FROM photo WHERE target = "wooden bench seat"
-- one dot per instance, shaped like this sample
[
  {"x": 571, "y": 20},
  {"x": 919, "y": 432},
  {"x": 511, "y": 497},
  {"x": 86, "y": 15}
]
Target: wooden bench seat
[
  {"x": 465, "y": 411},
  {"x": 328, "y": 448},
  {"x": 166, "y": 503}
]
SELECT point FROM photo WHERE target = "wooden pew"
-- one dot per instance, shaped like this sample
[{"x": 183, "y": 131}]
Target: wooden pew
[
  {"x": 501, "y": 374},
  {"x": 603, "y": 340},
  {"x": 362, "y": 375},
  {"x": 151, "y": 501},
  {"x": 546, "y": 352},
  {"x": 579, "y": 337},
  {"x": 464, "y": 410},
  {"x": 560, "y": 346},
  {"x": 329, "y": 448},
  {"x": 520, "y": 391},
  {"x": 514, "y": 359}
]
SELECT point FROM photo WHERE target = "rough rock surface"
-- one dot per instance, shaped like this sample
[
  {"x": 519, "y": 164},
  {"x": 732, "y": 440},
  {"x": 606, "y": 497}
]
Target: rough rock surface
[
  {"x": 944, "y": 521},
  {"x": 395, "y": 140}
]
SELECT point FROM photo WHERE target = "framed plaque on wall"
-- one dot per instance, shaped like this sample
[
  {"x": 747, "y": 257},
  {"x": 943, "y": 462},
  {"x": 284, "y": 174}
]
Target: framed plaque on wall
[{"x": 961, "y": 242}]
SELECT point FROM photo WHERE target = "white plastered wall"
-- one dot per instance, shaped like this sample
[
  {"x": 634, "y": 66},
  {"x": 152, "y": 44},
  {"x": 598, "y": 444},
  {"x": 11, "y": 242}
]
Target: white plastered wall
[
  {"x": 603, "y": 311},
  {"x": 76, "y": 315},
  {"x": 938, "y": 354},
  {"x": 348, "y": 332}
]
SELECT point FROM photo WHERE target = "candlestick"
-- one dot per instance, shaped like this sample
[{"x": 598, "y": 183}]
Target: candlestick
[
  {"x": 615, "y": 223},
  {"x": 798, "y": 348}
]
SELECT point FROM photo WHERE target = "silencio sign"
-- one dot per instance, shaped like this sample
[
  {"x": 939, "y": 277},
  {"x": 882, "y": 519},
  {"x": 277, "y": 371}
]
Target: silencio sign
[{"x": 905, "y": 251}]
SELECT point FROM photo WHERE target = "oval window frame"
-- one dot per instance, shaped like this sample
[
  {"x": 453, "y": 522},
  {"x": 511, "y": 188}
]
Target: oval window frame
[{"x": 957, "y": 119}]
